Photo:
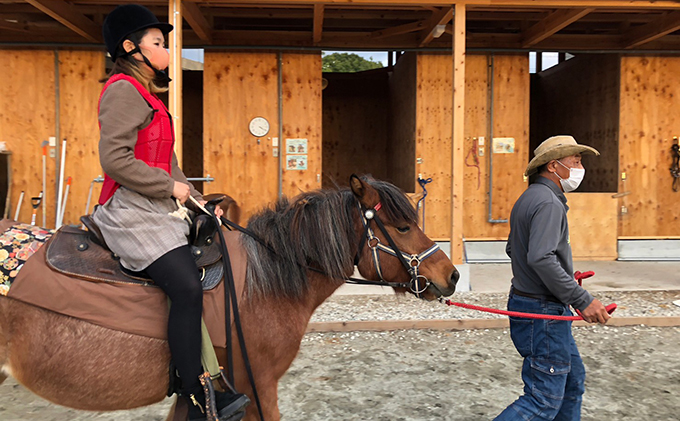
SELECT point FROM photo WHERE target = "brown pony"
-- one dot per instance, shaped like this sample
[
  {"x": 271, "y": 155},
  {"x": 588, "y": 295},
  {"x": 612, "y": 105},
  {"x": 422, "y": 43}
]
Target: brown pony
[{"x": 84, "y": 366}]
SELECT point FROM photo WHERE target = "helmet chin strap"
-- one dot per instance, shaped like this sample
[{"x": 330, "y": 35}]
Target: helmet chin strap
[{"x": 161, "y": 76}]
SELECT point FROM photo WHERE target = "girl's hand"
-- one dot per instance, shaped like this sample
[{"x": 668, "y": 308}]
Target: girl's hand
[
  {"x": 218, "y": 210},
  {"x": 181, "y": 192}
]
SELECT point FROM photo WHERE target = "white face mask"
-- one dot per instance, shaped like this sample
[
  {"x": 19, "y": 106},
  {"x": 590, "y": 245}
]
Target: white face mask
[{"x": 575, "y": 177}]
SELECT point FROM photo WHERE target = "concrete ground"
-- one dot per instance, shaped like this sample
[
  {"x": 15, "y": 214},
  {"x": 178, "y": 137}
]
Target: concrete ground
[{"x": 609, "y": 276}]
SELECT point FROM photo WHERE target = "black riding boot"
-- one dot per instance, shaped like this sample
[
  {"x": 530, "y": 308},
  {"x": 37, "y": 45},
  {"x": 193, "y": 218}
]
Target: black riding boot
[{"x": 229, "y": 406}]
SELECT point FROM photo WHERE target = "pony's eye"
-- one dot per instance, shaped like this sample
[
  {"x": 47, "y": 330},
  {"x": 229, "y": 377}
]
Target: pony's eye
[{"x": 404, "y": 230}]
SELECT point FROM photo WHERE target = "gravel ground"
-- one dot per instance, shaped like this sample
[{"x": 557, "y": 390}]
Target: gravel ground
[
  {"x": 633, "y": 374},
  {"x": 407, "y": 307}
]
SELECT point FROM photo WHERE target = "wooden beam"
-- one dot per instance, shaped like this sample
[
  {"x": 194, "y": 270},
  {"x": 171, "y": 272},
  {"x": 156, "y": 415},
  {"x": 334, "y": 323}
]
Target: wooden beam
[
  {"x": 551, "y": 4},
  {"x": 195, "y": 18},
  {"x": 552, "y": 24},
  {"x": 458, "y": 134},
  {"x": 70, "y": 17},
  {"x": 16, "y": 27},
  {"x": 442, "y": 17},
  {"x": 649, "y": 32},
  {"x": 399, "y": 30},
  {"x": 318, "y": 22},
  {"x": 175, "y": 71}
]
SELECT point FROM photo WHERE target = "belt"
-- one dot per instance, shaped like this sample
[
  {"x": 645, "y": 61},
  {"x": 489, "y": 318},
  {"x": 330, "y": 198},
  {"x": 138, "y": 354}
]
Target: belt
[{"x": 550, "y": 298}]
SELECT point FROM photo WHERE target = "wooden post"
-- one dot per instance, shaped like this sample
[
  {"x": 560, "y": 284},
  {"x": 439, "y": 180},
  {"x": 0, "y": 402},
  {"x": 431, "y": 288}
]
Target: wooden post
[
  {"x": 175, "y": 73},
  {"x": 458, "y": 137}
]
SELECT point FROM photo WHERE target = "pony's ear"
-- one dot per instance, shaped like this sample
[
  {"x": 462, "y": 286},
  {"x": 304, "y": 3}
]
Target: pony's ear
[
  {"x": 357, "y": 186},
  {"x": 367, "y": 195}
]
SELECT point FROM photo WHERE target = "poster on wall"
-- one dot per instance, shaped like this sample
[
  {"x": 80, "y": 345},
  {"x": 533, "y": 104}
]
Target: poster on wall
[
  {"x": 296, "y": 154},
  {"x": 503, "y": 145},
  {"x": 296, "y": 162},
  {"x": 296, "y": 146}
]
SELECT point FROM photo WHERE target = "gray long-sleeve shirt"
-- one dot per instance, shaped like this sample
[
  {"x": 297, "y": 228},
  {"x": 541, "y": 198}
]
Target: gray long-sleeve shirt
[{"x": 539, "y": 247}]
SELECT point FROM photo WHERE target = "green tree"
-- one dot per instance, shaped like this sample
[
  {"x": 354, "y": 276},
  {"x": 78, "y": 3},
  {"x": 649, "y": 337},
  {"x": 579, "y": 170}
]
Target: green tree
[{"x": 348, "y": 63}]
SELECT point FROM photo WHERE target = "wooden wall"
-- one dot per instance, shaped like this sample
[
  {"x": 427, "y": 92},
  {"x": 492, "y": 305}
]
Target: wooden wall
[
  {"x": 401, "y": 133},
  {"x": 593, "y": 226},
  {"x": 79, "y": 87},
  {"x": 355, "y": 126},
  {"x": 27, "y": 118},
  {"x": 511, "y": 119},
  {"x": 650, "y": 101},
  {"x": 192, "y": 118},
  {"x": 239, "y": 86},
  {"x": 580, "y": 97},
  {"x": 302, "y": 113}
]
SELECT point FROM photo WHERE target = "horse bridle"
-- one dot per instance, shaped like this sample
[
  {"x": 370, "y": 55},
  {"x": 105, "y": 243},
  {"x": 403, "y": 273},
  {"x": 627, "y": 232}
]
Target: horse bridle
[{"x": 410, "y": 262}]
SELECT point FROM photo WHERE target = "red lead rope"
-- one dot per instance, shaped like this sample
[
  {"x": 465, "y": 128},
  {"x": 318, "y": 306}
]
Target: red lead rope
[
  {"x": 610, "y": 309},
  {"x": 579, "y": 278}
]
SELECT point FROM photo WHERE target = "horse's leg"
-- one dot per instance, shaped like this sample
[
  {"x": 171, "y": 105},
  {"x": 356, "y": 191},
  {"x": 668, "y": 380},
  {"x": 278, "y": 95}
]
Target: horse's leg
[{"x": 81, "y": 365}]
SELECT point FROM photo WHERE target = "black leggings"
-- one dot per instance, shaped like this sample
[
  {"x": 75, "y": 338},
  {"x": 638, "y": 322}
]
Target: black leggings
[{"x": 176, "y": 274}]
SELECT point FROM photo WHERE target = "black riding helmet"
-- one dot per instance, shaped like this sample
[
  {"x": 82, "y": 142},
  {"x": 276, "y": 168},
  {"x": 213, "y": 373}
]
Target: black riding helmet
[{"x": 125, "y": 20}]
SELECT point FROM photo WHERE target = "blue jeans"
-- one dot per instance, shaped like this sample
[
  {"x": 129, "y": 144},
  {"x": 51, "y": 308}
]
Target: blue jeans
[{"x": 553, "y": 371}]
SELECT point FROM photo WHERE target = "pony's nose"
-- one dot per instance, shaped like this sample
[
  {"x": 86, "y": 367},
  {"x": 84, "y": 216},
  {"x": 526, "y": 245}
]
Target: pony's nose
[{"x": 455, "y": 276}]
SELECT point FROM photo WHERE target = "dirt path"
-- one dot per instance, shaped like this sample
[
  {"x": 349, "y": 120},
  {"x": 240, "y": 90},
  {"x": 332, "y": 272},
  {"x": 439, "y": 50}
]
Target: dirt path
[{"x": 633, "y": 374}]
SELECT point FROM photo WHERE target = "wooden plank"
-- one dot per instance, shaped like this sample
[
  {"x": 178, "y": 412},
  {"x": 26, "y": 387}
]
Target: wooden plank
[
  {"x": 647, "y": 125},
  {"x": 441, "y": 17},
  {"x": 401, "y": 158},
  {"x": 552, "y": 24},
  {"x": 470, "y": 324},
  {"x": 609, "y": 4},
  {"x": 79, "y": 87},
  {"x": 398, "y": 30},
  {"x": 302, "y": 115},
  {"x": 318, "y": 22},
  {"x": 511, "y": 119},
  {"x": 580, "y": 97},
  {"x": 434, "y": 129},
  {"x": 27, "y": 118},
  {"x": 196, "y": 19},
  {"x": 649, "y": 32},
  {"x": 458, "y": 135},
  {"x": 175, "y": 72},
  {"x": 70, "y": 17},
  {"x": 593, "y": 226},
  {"x": 239, "y": 86},
  {"x": 355, "y": 126}
]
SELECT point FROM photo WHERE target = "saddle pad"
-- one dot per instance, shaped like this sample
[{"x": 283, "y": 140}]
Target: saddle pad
[
  {"x": 17, "y": 244},
  {"x": 138, "y": 309},
  {"x": 72, "y": 252}
]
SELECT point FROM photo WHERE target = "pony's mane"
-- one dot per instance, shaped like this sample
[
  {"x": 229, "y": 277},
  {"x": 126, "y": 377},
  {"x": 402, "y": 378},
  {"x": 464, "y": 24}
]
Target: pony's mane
[{"x": 314, "y": 230}]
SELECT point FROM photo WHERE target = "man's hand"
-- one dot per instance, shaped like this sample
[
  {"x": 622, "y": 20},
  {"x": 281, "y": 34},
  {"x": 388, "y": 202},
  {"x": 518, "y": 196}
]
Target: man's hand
[{"x": 596, "y": 313}]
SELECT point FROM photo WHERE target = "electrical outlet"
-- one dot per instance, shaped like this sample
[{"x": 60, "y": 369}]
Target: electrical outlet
[
  {"x": 480, "y": 140},
  {"x": 624, "y": 210},
  {"x": 53, "y": 152},
  {"x": 480, "y": 152},
  {"x": 623, "y": 176},
  {"x": 419, "y": 160},
  {"x": 275, "y": 152}
]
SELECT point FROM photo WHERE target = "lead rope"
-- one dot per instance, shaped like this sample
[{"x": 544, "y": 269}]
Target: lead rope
[{"x": 579, "y": 278}]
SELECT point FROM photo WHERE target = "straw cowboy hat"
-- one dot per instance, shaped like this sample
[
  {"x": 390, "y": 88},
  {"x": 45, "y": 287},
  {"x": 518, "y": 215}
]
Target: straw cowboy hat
[{"x": 556, "y": 147}]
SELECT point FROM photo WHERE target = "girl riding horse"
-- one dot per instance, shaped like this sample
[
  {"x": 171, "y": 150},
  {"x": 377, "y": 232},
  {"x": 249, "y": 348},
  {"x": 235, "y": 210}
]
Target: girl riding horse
[{"x": 143, "y": 182}]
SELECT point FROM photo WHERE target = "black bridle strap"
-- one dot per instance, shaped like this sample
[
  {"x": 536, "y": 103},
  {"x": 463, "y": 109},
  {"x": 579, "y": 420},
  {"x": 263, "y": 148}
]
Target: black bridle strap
[{"x": 230, "y": 295}]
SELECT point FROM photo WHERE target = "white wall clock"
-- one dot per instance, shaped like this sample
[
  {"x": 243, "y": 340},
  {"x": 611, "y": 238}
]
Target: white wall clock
[{"x": 259, "y": 126}]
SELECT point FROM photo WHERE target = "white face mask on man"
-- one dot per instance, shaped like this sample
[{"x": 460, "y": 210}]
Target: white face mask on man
[{"x": 575, "y": 177}]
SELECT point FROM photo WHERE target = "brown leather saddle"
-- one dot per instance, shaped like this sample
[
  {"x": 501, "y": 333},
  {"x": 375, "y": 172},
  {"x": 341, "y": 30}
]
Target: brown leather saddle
[{"x": 84, "y": 254}]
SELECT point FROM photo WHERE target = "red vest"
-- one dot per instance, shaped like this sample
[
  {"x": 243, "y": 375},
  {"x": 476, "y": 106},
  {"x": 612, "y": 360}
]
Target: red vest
[{"x": 155, "y": 142}]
